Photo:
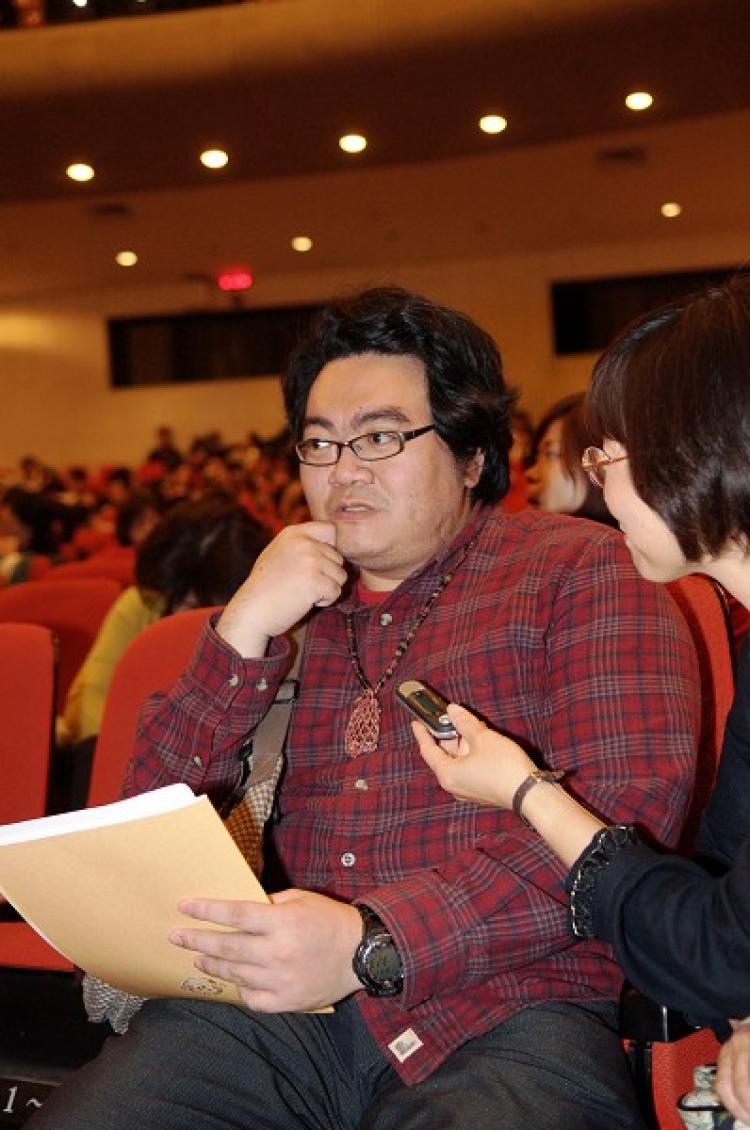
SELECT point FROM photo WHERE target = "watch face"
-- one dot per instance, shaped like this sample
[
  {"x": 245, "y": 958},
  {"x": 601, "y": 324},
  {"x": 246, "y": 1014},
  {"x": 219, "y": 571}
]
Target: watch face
[
  {"x": 382, "y": 960},
  {"x": 378, "y": 965}
]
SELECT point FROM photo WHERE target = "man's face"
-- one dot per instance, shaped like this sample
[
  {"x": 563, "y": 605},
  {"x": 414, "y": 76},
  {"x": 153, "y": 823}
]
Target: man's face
[{"x": 393, "y": 515}]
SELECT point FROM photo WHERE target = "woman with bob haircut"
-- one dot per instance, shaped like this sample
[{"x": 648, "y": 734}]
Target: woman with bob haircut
[{"x": 671, "y": 399}]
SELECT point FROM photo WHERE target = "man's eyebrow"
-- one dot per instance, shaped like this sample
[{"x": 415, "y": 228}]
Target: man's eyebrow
[
  {"x": 384, "y": 413},
  {"x": 316, "y": 422}
]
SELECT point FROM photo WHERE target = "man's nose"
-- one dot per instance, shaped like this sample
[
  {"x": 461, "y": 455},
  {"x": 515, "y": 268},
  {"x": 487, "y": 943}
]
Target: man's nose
[{"x": 350, "y": 469}]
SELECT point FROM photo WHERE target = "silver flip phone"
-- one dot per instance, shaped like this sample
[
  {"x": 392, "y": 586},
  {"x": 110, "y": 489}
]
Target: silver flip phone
[{"x": 428, "y": 706}]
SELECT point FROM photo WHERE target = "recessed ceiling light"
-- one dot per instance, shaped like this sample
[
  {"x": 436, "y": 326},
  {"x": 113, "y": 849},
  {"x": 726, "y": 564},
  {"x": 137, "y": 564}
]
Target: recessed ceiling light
[
  {"x": 214, "y": 158},
  {"x": 80, "y": 171},
  {"x": 126, "y": 258},
  {"x": 639, "y": 100},
  {"x": 302, "y": 243},
  {"x": 493, "y": 123},
  {"x": 671, "y": 210},
  {"x": 81, "y": 3},
  {"x": 353, "y": 142}
]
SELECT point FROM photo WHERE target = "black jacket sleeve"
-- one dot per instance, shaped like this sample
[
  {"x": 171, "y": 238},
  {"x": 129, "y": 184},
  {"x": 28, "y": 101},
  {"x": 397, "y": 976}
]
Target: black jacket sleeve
[
  {"x": 681, "y": 928},
  {"x": 680, "y": 934}
]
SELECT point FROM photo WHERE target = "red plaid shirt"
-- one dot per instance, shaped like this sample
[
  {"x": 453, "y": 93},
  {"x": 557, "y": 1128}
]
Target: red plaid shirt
[{"x": 548, "y": 633}]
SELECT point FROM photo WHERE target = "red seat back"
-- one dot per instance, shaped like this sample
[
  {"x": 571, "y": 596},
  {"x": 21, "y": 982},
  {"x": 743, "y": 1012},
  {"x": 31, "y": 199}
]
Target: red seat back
[
  {"x": 153, "y": 661},
  {"x": 27, "y": 673},
  {"x": 118, "y": 563},
  {"x": 27, "y": 688},
  {"x": 73, "y": 609},
  {"x": 704, "y": 608}
]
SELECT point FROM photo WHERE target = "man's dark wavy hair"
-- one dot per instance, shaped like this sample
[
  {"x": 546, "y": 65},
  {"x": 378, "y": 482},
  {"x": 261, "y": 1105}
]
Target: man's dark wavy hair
[
  {"x": 674, "y": 389},
  {"x": 468, "y": 398}
]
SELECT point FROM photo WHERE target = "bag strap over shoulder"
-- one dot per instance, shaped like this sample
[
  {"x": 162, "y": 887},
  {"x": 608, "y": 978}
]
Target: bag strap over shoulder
[
  {"x": 247, "y": 818},
  {"x": 270, "y": 735}
]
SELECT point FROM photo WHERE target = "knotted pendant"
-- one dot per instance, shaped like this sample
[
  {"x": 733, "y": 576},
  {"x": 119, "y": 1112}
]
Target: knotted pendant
[{"x": 363, "y": 727}]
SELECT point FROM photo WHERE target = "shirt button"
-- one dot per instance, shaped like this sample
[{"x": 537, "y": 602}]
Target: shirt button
[
  {"x": 261, "y": 685},
  {"x": 234, "y": 680},
  {"x": 198, "y": 761},
  {"x": 361, "y": 783},
  {"x": 348, "y": 859},
  {"x": 386, "y": 619}
]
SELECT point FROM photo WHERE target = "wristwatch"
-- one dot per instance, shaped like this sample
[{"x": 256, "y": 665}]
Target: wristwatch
[{"x": 376, "y": 960}]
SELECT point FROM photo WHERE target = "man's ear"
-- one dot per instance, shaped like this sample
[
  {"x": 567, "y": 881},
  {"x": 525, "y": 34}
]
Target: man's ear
[{"x": 473, "y": 468}]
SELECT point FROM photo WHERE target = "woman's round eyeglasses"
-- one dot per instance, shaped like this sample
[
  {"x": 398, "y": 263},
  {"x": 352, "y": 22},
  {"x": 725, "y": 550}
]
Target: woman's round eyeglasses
[{"x": 595, "y": 462}]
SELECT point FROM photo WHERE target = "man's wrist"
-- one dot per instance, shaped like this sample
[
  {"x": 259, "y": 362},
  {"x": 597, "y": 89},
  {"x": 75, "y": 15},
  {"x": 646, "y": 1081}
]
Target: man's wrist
[{"x": 247, "y": 641}]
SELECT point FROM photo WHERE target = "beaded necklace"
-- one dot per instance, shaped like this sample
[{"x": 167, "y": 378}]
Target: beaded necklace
[{"x": 363, "y": 727}]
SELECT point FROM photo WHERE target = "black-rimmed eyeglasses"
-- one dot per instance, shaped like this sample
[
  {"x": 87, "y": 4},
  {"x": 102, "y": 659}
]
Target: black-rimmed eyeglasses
[
  {"x": 595, "y": 462},
  {"x": 320, "y": 452}
]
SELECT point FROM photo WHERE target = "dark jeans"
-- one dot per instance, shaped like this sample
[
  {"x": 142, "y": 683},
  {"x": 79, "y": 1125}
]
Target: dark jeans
[{"x": 186, "y": 1065}]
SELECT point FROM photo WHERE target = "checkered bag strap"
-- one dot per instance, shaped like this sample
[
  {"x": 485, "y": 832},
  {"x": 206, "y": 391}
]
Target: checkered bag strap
[{"x": 246, "y": 820}]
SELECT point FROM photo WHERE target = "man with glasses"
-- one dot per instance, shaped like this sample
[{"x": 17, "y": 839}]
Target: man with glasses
[{"x": 437, "y": 929}]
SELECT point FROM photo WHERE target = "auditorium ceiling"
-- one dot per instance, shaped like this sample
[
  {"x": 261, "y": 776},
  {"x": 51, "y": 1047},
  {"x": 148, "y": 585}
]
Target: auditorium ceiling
[{"x": 275, "y": 83}]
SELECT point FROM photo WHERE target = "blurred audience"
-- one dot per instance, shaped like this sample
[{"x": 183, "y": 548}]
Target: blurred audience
[
  {"x": 33, "y": 527},
  {"x": 117, "y": 483},
  {"x": 106, "y": 556},
  {"x": 166, "y": 451},
  {"x": 49, "y": 517},
  {"x": 77, "y": 488},
  {"x": 33, "y": 476}
]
